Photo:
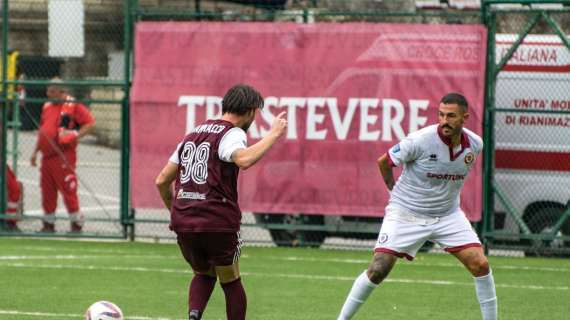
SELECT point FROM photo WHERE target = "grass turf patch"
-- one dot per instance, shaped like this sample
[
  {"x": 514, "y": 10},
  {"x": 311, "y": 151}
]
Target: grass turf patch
[{"x": 43, "y": 279}]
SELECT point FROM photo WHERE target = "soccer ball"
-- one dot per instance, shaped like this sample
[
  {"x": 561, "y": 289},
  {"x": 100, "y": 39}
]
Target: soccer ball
[{"x": 104, "y": 310}]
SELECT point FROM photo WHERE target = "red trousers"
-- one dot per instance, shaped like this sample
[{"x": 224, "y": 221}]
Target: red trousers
[
  {"x": 58, "y": 174},
  {"x": 14, "y": 193}
]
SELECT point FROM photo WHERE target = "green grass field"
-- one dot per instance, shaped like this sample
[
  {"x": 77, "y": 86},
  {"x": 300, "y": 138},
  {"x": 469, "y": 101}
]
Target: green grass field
[{"x": 54, "y": 279}]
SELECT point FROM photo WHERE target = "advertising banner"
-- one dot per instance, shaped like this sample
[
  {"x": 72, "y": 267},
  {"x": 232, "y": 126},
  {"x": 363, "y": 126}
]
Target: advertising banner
[{"x": 351, "y": 91}]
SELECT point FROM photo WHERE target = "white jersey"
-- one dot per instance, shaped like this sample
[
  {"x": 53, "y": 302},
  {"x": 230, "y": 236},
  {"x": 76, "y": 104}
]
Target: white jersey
[
  {"x": 232, "y": 140},
  {"x": 433, "y": 173}
]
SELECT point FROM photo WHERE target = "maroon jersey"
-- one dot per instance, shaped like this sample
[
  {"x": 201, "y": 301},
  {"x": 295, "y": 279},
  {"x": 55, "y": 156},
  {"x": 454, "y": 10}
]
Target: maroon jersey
[{"x": 205, "y": 193}]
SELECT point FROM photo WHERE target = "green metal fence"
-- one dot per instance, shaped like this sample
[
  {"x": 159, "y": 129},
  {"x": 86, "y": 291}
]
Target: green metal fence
[
  {"x": 527, "y": 123},
  {"x": 526, "y": 144},
  {"x": 83, "y": 43}
]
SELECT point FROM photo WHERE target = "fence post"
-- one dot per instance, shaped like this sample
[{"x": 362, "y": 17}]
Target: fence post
[
  {"x": 4, "y": 106},
  {"x": 488, "y": 200},
  {"x": 125, "y": 118}
]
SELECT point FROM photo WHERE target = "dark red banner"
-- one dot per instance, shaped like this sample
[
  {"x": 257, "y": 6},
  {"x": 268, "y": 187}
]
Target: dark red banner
[{"x": 350, "y": 90}]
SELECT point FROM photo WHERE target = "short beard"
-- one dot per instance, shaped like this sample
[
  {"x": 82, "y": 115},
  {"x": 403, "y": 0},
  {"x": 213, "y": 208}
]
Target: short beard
[{"x": 450, "y": 129}]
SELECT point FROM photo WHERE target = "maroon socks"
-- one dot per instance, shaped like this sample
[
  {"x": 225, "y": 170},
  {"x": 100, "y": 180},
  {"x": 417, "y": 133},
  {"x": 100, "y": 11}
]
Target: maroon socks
[
  {"x": 199, "y": 293},
  {"x": 236, "y": 301},
  {"x": 201, "y": 289}
]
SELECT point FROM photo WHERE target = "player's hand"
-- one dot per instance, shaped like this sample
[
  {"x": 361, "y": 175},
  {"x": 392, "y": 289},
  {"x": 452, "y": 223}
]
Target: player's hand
[
  {"x": 67, "y": 137},
  {"x": 279, "y": 125}
]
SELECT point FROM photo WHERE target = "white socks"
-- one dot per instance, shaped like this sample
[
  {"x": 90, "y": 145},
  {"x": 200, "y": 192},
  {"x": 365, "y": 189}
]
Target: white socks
[
  {"x": 363, "y": 287},
  {"x": 485, "y": 289},
  {"x": 360, "y": 291}
]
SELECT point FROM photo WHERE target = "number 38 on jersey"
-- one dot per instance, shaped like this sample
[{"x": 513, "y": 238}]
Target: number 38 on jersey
[{"x": 194, "y": 162}]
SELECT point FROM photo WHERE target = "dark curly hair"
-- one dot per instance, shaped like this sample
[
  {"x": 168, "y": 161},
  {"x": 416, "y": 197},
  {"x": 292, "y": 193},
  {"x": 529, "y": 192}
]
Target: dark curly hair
[{"x": 241, "y": 99}]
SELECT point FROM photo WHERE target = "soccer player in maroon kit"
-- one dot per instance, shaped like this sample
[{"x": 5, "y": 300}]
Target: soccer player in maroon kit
[{"x": 205, "y": 214}]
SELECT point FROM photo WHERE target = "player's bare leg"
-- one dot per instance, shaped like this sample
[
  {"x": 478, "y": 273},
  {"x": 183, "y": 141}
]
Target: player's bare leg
[
  {"x": 381, "y": 265},
  {"x": 475, "y": 261},
  {"x": 200, "y": 290},
  {"x": 236, "y": 300}
]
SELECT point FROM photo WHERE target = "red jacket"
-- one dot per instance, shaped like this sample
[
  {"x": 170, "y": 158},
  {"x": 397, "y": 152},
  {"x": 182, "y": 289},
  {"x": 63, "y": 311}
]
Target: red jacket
[{"x": 51, "y": 120}]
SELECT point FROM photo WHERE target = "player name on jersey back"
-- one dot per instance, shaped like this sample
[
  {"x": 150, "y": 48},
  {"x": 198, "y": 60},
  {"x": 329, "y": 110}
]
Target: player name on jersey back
[{"x": 209, "y": 128}]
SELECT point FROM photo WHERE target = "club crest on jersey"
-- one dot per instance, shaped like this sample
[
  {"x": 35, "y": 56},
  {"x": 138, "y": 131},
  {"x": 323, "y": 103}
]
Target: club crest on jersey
[
  {"x": 469, "y": 157},
  {"x": 396, "y": 148},
  {"x": 383, "y": 238}
]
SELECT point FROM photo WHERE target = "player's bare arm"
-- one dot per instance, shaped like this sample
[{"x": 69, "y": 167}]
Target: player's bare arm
[
  {"x": 164, "y": 182},
  {"x": 83, "y": 131},
  {"x": 386, "y": 171},
  {"x": 86, "y": 129},
  {"x": 245, "y": 158}
]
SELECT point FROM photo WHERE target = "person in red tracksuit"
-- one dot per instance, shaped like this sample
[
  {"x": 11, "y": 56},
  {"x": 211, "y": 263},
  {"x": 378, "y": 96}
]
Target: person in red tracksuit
[
  {"x": 63, "y": 122},
  {"x": 14, "y": 199}
]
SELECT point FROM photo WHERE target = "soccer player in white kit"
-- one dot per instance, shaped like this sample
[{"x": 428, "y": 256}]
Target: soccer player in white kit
[{"x": 424, "y": 205}]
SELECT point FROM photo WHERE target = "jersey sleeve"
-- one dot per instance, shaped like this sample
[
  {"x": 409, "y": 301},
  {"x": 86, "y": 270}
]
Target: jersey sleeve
[
  {"x": 478, "y": 144},
  {"x": 174, "y": 157},
  {"x": 405, "y": 151},
  {"x": 233, "y": 140},
  {"x": 82, "y": 115}
]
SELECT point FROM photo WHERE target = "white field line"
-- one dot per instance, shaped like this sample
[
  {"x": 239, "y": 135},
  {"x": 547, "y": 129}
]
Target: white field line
[
  {"x": 363, "y": 262},
  {"x": 419, "y": 263},
  {"x": 68, "y": 315},
  {"x": 402, "y": 280},
  {"x": 274, "y": 275},
  {"x": 107, "y": 251},
  {"x": 40, "y": 212},
  {"x": 80, "y": 191},
  {"x": 85, "y": 257}
]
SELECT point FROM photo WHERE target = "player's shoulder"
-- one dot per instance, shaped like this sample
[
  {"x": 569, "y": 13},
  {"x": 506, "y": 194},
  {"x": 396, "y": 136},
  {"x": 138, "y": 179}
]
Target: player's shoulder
[
  {"x": 474, "y": 139},
  {"x": 235, "y": 133},
  {"x": 423, "y": 134},
  {"x": 236, "y": 130}
]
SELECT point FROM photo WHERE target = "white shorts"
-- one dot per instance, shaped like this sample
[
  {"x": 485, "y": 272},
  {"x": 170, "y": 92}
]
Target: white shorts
[{"x": 403, "y": 233}]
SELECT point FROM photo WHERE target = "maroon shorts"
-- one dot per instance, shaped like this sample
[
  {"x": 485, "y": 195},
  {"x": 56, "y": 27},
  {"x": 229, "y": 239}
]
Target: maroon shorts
[{"x": 202, "y": 250}]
